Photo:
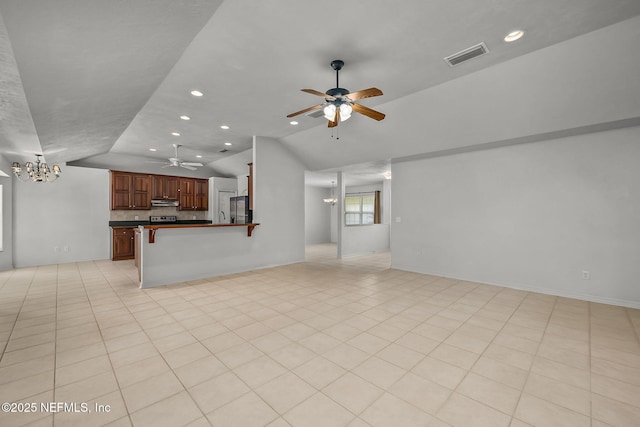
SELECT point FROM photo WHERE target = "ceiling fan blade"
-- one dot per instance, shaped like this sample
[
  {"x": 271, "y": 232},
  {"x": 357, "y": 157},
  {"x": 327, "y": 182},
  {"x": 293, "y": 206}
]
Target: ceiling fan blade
[
  {"x": 364, "y": 93},
  {"x": 334, "y": 123},
  {"x": 191, "y": 168},
  {"x": 167, "y": 165},
  {"x": 315, "y": 92},
  {"x": 376, "y": 115},
  {"x": 315, "y": 107},
  {"x": 191, "y": 164}
]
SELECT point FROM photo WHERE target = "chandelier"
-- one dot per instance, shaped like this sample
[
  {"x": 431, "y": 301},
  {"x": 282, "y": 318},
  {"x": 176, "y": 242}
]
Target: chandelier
[
  {"x": 331, "y": 200},
  {"x": 39, "y": 172}
]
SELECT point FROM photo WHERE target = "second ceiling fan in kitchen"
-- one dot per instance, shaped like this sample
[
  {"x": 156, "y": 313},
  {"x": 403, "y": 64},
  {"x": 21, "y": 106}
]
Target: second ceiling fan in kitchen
[{"x": 177, "y": 162}]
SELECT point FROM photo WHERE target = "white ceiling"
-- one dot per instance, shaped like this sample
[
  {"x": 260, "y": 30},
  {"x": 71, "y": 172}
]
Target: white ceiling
[{"x": 98, "y": 83}]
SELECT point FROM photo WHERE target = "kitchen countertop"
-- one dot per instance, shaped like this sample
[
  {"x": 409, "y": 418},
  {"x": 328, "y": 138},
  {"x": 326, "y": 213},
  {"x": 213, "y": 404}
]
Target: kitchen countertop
[{"x": 137, "y": 223}]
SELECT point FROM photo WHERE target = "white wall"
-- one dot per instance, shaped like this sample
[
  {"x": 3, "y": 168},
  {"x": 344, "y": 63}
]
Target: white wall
[
  {"x": 365, "y": 239},
  {"x": 71, "y": 212},
  {"x": 530, "y": 216},
  {"x": 278, "y": 178},
  {"x": 317, "y": 215},
  {"x": 6, "y": 254}
]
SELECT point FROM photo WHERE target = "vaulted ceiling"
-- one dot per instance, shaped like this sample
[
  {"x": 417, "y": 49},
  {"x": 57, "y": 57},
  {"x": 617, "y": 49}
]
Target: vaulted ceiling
[{"x": 99, "y": 83}]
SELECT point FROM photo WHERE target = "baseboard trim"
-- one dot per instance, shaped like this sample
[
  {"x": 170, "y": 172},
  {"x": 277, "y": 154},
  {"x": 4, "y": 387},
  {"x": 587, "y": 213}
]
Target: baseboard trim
[{"x": 545, "y": 291}]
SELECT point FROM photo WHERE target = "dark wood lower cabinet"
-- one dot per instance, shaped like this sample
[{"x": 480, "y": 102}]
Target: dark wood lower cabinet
[{"x": 123, "y": 243}]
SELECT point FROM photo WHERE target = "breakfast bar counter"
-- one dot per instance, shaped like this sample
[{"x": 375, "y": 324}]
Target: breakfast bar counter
[{"x": 154, "y": 228}]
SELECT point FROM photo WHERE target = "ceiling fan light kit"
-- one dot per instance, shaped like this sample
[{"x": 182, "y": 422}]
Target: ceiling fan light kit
[{"x": 340, "y": 103}]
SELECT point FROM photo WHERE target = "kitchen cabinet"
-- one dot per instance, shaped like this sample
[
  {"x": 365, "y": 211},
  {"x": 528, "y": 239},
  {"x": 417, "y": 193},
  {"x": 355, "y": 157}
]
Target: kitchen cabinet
[
  {"x": 164, "y": 187},
  {"x": 123, "y": 243},
  {"x": 194, "y": 194},
  {"x": 202, "y": 194},
  {"x": 134, "y": 191},
  {"x": 130, "y": 191}
]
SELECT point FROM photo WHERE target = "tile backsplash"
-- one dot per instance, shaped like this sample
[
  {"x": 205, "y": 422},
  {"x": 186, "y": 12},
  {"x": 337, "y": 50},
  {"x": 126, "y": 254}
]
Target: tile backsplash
[{"x": 144, "y": 215}]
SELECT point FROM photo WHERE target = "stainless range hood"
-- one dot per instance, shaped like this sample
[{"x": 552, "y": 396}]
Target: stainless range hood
[{"x": 163, "y": 203}]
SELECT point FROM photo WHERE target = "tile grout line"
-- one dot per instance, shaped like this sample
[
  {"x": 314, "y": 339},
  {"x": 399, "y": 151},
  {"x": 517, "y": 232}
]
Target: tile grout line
[
  {"x": 84, "y": 286},
  {"x": 6, "y": 345},
  {"x": 506, "y": 321},
  {"x": 515, "y": 409}
]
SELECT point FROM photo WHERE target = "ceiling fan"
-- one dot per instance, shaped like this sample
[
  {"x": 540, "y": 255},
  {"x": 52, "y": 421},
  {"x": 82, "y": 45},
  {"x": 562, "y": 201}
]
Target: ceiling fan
[
  {"x": 176, "y": 162},
  {"x": 339, "y": 102}
]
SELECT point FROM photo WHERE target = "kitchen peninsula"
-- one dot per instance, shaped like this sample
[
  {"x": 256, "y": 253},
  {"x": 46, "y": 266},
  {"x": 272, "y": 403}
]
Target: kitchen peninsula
[
  {"x": 178, "y": 241},
  {"x": 176, "y": 253}
]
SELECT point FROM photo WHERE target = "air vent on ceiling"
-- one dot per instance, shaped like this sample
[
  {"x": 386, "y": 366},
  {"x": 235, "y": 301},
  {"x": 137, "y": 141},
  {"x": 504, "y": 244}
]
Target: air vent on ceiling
[
  {"x": 467, "y": 54},
  {"x": 224, "y": 150},
  {"x": 316, "y": 114}
]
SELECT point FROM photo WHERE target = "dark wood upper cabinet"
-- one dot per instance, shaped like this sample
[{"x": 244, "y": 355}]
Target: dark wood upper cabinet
[
  {"x": 194, "y": 194},
  {"x": 121, "y": 197},
  {"x": 134, "y": 191},
  {"x": 130, "y": 191},
  {"x": 201, "y": 194},
  {"x": 164, "y": 187}
]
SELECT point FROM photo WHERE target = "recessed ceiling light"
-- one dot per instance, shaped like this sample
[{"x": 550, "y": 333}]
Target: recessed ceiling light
[
  {"x": 513, "y": 36},
  {"x": 227, "y": 143},
  {"x": 196, "y": 93},
  {"x": 199, "y": 156},
  {"x": 224, "y": 127},
  {"x": 293, "y": 123},
  {"x": 153, "y": 149},
  {"x": 175, "y": 133},
  {"x": 183, "y": 117}
]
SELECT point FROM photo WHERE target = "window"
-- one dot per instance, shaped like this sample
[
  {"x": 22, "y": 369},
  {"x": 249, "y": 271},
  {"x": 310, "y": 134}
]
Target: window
[{"x": 362, "y": 209}]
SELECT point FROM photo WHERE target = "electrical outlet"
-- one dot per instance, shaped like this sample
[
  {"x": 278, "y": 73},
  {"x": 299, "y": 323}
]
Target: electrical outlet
[
  {"x": 66, "y": 248},
  {"x": 136, "y": 217},
  {"x": 56, "y": 249},
  {"x": 398, "y": 219},
  {"x": 586, "y": 275},
  {"x": 193, "y": 217}
]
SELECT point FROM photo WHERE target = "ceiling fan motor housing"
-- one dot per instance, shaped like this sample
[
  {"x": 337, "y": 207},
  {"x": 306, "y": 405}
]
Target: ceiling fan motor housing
[{"x": 337, "y": 91}]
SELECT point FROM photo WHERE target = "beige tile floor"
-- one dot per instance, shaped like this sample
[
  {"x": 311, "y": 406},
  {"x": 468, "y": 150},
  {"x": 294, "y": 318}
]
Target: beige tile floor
[{"x": 321, "y": 343}]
